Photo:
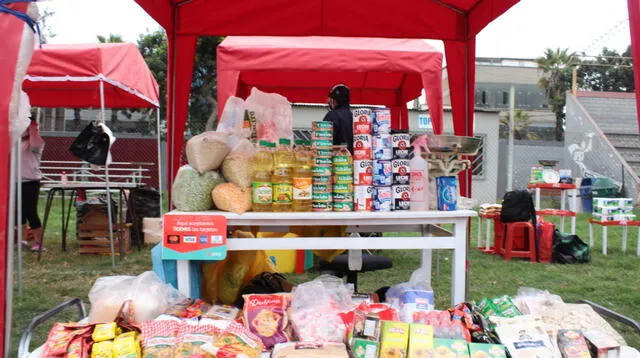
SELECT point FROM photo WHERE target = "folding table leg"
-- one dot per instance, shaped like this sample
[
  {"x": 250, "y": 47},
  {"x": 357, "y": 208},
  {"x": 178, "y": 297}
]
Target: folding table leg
[
  {"x": 573, "y": 225},
  {"x": 479, "y": 231},
  {"x": 562, "y": 224},
  {"x": 604, "y": 239},
  {"x": 62, "y": 221},
  {"x": 47, "y": 209},
  {"x": 488, "y": 238},
  {"x": 65, "y": 225},
  {"x": 591, "y": 235},
  {"x": 624, "y": 238}
]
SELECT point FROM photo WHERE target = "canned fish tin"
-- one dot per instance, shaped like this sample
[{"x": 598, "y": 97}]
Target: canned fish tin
[
  {"x": 362, "y": 121},
  {"x": 322, "y": 125},
  {"x": 321, "y": 206},
  {"x": 447, "y": 193},
  {"x": 322, "y": 197},
  {"x": 382, "y": 121},
  {"x": 382, "y": 198},
  {"x": 343, "y": 188},
  {"x": 342, "y": 197},
  {"x": 322, "y": 153},
  {"x": 382, "y": 147},
  {"x": 323, "y": 179},
  {"x": 341, "y": 160},
  {"x": 321, "y": 188},
  {"x": 322, "y": 170},
  {"x": 401, "y": 197},
  {"x": 342, "y": 179},
  {"x": 321, "y": 143},
  {"x": 343, "y": 206},
  {"x": 322, "y": 134},
  {"x": 401, "y": 171},
  {"x": 382, "y": 173},
  {"x": 363, "y": 172},
  {"x": 362, "y": 144},
  {"x": 343, "y": 169},
  {"x": 322, "y": 161},
  {"x": 363, "y": 198},
  {"x": 401, "y": 144}
]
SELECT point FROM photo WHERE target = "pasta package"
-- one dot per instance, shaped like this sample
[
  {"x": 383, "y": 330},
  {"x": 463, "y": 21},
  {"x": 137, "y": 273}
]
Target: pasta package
[
  {"x": 235, "y": 341},
  {"x": 265, "y": 315},
  {"x": 191, "y": 338}
]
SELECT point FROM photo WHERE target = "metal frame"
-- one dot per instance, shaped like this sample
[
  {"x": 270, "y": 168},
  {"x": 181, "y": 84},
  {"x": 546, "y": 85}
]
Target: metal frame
[{"x": 613, "y": 315}]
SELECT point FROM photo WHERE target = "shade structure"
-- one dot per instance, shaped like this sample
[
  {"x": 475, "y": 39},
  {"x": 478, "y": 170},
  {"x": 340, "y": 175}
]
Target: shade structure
[{"x": 70, "y": 76}]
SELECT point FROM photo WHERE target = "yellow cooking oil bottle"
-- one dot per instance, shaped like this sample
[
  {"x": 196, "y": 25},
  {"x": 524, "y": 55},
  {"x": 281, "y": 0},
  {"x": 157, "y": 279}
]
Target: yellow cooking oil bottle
[
  {"x": 302, "y": 176},
  {"x": 261, "y": 187},
  {"x": 282, "y": 178}
]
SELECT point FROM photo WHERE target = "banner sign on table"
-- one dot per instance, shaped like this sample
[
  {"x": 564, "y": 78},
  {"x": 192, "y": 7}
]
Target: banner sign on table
[{"x": 194, "y": 237}]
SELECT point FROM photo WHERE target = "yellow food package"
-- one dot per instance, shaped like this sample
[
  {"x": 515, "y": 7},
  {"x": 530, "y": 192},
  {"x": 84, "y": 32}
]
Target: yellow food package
[
  {"x": 420, "y": 341},
  {"x": 105, "y": 332},
  {"x": 233, "y": 274},
  {"x": 127, "y": 345},
  {"x": 393, "y": 339},
  {"x": 102, "y": 349}
]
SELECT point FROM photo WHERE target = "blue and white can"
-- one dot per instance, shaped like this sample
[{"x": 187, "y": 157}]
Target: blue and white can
[
  {"x": 382, "y": 198},
  {"x": 382, "y": 173},
  {"x": 381, "y": 121},
  {"x": 382, "y": 147},
  {"x": 447, "y": 187}
]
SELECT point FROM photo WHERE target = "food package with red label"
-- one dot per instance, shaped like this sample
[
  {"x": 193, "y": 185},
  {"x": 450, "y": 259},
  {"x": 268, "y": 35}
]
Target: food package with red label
[{"x": 265, "y": 315}]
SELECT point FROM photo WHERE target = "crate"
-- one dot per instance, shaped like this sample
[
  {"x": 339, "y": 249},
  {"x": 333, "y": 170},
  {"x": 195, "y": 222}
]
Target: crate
[
  {"x": 152, "y": 229},
  {"x": 94, "y": 238}
]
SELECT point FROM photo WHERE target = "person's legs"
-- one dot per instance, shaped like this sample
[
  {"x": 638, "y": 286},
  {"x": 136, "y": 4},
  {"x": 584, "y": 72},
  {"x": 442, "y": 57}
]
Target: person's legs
[{"x": 30, "y": 194}]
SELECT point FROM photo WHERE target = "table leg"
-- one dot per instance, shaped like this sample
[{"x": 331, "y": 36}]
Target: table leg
[
  {"x": 121, "y": 227},
  {"x": 591, "y": 235},
  {"x": 458, "y": 280},
  {"x": 488, "y": 238},
  {"x": 479, "y": 231},
  {"x": 62, "y": 221},
  {"x": 604, "y": 239},
  {"x": 130, "y": 200},
  {"x": 624, "y": 238},
  {"x": 427, "y": 256},
  {"x": 47, "y": 209},
  {"x": 65, "y": 227},
  {"x": 562, "y": 224},
  {"x": 184, "y": 279},
  {"x": 537, "y": 198},
  {"x": 573, "y": 225}
]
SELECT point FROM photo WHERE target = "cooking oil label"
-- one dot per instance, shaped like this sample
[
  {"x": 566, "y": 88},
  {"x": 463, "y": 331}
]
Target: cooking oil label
[
  {"x": 301, "y": 188},
  {"x": 262, "y": 192},
  {"x": 282, "y": 193}
]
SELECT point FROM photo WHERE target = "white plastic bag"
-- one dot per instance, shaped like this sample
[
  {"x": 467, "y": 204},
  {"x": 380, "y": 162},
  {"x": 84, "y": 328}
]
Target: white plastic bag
[
  {"x": 413, "y": 296},
  {"x": 207, "y": 150},
  {"x": 274, "y": 116},
  {"x": 232, "y": 119}
]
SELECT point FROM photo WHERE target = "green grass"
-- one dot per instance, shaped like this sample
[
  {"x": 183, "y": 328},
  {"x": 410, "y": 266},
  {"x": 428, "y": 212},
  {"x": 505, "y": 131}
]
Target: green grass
[{"x": 609, "y": 280}]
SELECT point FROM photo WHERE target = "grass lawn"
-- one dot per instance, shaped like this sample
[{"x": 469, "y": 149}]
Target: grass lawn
[{"x": 610, "y": 280}]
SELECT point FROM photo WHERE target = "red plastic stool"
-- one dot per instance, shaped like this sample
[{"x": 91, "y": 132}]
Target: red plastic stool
[{"x": 529, "y": 230}]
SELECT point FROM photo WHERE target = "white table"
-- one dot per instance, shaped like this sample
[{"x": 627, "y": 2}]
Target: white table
[
  {"x": 566, "y": 191},
  {"x": 422, "y": 222}
]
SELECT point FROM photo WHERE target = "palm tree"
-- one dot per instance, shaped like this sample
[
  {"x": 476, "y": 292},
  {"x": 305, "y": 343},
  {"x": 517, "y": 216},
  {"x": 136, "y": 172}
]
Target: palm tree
[
  {"x": 112, "y": 38},
  {"x": 556, "y": 66},
  {"x": 521, "y": 125}
]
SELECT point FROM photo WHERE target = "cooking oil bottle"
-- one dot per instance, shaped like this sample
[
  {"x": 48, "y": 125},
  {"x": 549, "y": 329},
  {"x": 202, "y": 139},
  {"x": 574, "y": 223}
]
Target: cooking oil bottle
[
  {"x": 261, "y": 187},
  {"x": 302, "y": 176},
  {"x": 284, "y": 161}
]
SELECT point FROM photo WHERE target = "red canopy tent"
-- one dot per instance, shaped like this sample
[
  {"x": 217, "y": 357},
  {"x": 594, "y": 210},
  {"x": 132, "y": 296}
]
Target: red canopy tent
[{"x": 387, "y": 72}]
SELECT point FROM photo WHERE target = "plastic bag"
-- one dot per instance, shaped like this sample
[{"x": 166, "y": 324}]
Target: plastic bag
[
  {"x": 207, "y": 150},
  {"x": 412, "y": 298},
  {"x": 232, "y": 119},
  {"x": 230, "y": 197},
  {"x": 92, "y": 144},
  {"x": 532, "y": 301},
  {"x": 237, "y": 167},
  {"x": 192, "y": 190},
  {"x": 274, "y": 115},
  {"x": 149, "y": 295}
]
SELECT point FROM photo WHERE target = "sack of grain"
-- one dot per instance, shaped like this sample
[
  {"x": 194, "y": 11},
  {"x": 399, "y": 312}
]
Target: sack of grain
[
  {"x": 237, "y": 168},
  {"x": 230, "y": 197},
  {"x": 191, "y": 191},
  {"x": 207, "y": 150}
]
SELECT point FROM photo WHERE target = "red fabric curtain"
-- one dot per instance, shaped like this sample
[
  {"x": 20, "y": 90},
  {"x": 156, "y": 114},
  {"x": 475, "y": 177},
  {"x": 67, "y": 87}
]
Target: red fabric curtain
[{"x": 634, "y": 27}]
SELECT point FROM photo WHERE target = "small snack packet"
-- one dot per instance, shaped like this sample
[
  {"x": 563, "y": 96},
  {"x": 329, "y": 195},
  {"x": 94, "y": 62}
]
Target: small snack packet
[{"x": 105, "y": 332}]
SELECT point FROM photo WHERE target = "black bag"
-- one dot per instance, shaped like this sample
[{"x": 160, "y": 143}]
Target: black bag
[
  {"x": 264, "y": 283},
  {"x": 569, "y": 249},
  {"x": 518, "y": 206},
  {"x": 92, "y": 145}
]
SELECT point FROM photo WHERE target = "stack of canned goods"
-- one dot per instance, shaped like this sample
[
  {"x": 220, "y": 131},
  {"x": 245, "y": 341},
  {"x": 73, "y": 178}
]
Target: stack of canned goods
[
  {"x": 362, "y": 159},
  {"x": 342, "y": 179},
  {"x": 382, "y": 155},
  {"x": 400, "y": 169},
  {"x": 322, "y": 186}
]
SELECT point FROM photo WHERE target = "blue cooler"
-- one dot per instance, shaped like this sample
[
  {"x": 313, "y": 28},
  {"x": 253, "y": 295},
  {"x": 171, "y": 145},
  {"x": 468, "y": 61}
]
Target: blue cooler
[{"x": 586, "y": 194}]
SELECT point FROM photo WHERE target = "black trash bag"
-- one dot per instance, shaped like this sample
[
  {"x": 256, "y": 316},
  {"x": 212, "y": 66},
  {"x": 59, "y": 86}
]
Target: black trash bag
[
  {"x": 91, "y": 145},
  {"x": 569, "y": 249},
  {"x": 518, "y": 206},
  {"x": 145, "y": 203},
  {"x": 264, "y": 283},
  {"x": 96, "y": 204}
]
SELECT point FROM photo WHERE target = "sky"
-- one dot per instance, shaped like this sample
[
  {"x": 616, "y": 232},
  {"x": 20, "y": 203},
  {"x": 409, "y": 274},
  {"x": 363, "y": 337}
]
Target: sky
[{"x": 524, "y": 31}]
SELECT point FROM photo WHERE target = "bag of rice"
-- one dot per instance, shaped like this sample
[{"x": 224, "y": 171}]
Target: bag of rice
[
  {"x": 230, "y": 197},
  {"x": 191, "y": 191},
  {"x": 237, "y": 166},
  {"x": 207, "y": 150}
]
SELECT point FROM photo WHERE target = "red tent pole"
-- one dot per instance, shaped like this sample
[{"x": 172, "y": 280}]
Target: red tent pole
[{"x": 634, "y": 27}]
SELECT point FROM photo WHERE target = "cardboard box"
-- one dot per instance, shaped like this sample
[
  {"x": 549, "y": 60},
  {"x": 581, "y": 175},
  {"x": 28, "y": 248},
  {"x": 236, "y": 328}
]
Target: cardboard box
[
  {"x": 364, "y": 348},
  {"x": 420, "y": 341},
  {"x": 481, "y": 350},
  {"x": 601, "y": 345},
  {"x": 450, "y": 348},
  {"x": 394, "y": 338}
]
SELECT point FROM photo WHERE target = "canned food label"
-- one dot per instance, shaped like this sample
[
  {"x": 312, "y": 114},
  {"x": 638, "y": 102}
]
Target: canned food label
[
  {"x": 382, "y": 173},
  {"x": 322, "y": 179},
  {"x": 401, "y": 171},
  {"x": 382, "y": 198},
  {"x": 320, "y": 125},
  {"x": 401, "y": 145},
  {"x": 321, "y": 188},
  {"x": 343, "y": 188},
  {"x": 343, "y": 206},
  {"x": 343, "y": 179},
  {"x": 363, "y": 172},
  {"x": 446, "y": 190},
  {"x": 323, "y": 161},
  {"x": 362, "y": 121},
  {"x": 282, "y": 193},
  {"x": 382, "y": 147},
  {"x": 322, "y": 153},
  {"x": 262, "y": 192},
  {"x": 322, "y": 197},
  {"x": 363, "y": 198},
  {"x": 343, "y": 169},
  {"x": 321, "y": 206},
  {"x": 401, "y": 197},
  {"x": 341, "y": 197},
  {"x": 381, "y": 121},
  {"x": 302, "y": 188},
  {"x": 321, "y": 143},
  {"x": 322, "y": 134},
  {"x": 324, "y": 170},
  {"x": 341, "y": 159},
  {"x": 362, "y": 144}
]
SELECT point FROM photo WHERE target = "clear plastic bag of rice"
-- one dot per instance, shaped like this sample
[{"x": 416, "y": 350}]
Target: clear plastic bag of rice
[
  {"x": 191, "y": 191},
  {"x": 237, "y": 167},
  {"x": 230, "y": 197},
  {"x": 206, "y": 151}
]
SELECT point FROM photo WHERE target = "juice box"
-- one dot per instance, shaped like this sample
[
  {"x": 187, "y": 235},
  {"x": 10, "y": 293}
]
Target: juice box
[
  {"x": 420, "y": 341},
  {"x": 364, "y": 348},
  {"x": 394, "y": 339},
  {"x": 450, "y": 348},
  {"x": 481, "y": 350}
]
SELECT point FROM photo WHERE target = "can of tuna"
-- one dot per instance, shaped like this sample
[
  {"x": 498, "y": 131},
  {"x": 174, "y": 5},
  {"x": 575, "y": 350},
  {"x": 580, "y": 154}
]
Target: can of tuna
[
  {"x": 363, "y": 198},
  {"x": 322, "y": 153},
  {"x": 343, "y": 206},
  {"x": 381, "y": 121},
  {"x": 322, "y": 170},
  {"x": 322, "y": 161},
  {"x": 362, "y": 121},
  {"x": 341, "y": 160},
  {"x": 382, "y": 198},
  {"x": 320, "y": 197},
  {"x": 382, "y": 147},
  {"x": 401, "y": 171},
  {"x": 321, "y": 206},
  {"x": 321, "y": 125},
  {"x": 321, "y": 188},
  {"x": 322, "y": 134},
  {"x": 342, "y": 197},
  {"x": 363, "y": 172},
  {"x": 382, "y": 173},
  {"x": 343, "y": 188},
  {"x": 342, "y": 179},
  {"x": 322, "y": 143},
  {"x": 362, "y": 144},
  {"x": 323, "y": 179},
  {"x": 401, "y": 144},
  {"x": 343, "y": 169},
  {"x": 401, "y": 197}
]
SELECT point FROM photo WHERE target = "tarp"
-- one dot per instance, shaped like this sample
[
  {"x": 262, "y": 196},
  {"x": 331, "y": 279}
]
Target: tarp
[
  {"x": 70, "y": 75},
  {"x": 378, "y": 71},
  {"x": 634, "y": 27}
]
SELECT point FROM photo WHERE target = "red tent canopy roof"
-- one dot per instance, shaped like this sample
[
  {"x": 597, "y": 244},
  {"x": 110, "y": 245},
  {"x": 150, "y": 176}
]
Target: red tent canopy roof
[{"x": 70, "y": 75}]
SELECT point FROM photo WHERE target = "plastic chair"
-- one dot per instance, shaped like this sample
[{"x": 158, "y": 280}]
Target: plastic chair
[{"x": 508, "y": 252}]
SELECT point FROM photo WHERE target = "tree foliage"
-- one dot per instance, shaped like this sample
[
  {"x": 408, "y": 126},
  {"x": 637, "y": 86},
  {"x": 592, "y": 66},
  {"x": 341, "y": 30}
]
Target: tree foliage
[{"x": 609, "y": 71}]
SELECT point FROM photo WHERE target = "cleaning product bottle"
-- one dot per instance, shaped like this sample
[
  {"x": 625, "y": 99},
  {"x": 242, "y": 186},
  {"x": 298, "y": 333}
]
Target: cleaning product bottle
[
  {"x": 282, "y": 176},
  {"x": 302, "y": 176},
  {"x": 261, "y": 187},
  {"x": 419, "y": 178}
]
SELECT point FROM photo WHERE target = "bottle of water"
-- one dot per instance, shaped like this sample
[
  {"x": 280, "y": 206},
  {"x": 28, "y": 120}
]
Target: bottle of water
[{"x": 419, "y": 178}]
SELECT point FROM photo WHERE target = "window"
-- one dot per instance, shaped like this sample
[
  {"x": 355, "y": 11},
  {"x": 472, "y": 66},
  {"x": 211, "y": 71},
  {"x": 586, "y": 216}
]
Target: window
[
  {"x": 505, "y": 97},
  {"x": 485, "y": 97},
  {"x": 477, "y": 162}
]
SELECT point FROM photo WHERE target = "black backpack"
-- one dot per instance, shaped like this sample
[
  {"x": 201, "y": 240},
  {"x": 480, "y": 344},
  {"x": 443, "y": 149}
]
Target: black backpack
[{"x": 518, "y": 206}]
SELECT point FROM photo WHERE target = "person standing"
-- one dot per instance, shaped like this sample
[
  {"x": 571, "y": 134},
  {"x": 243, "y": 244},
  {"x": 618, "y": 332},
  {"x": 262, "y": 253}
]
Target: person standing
[
  {"x": 340, "y": 115},
  {"x": 32, "y": 146}
]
